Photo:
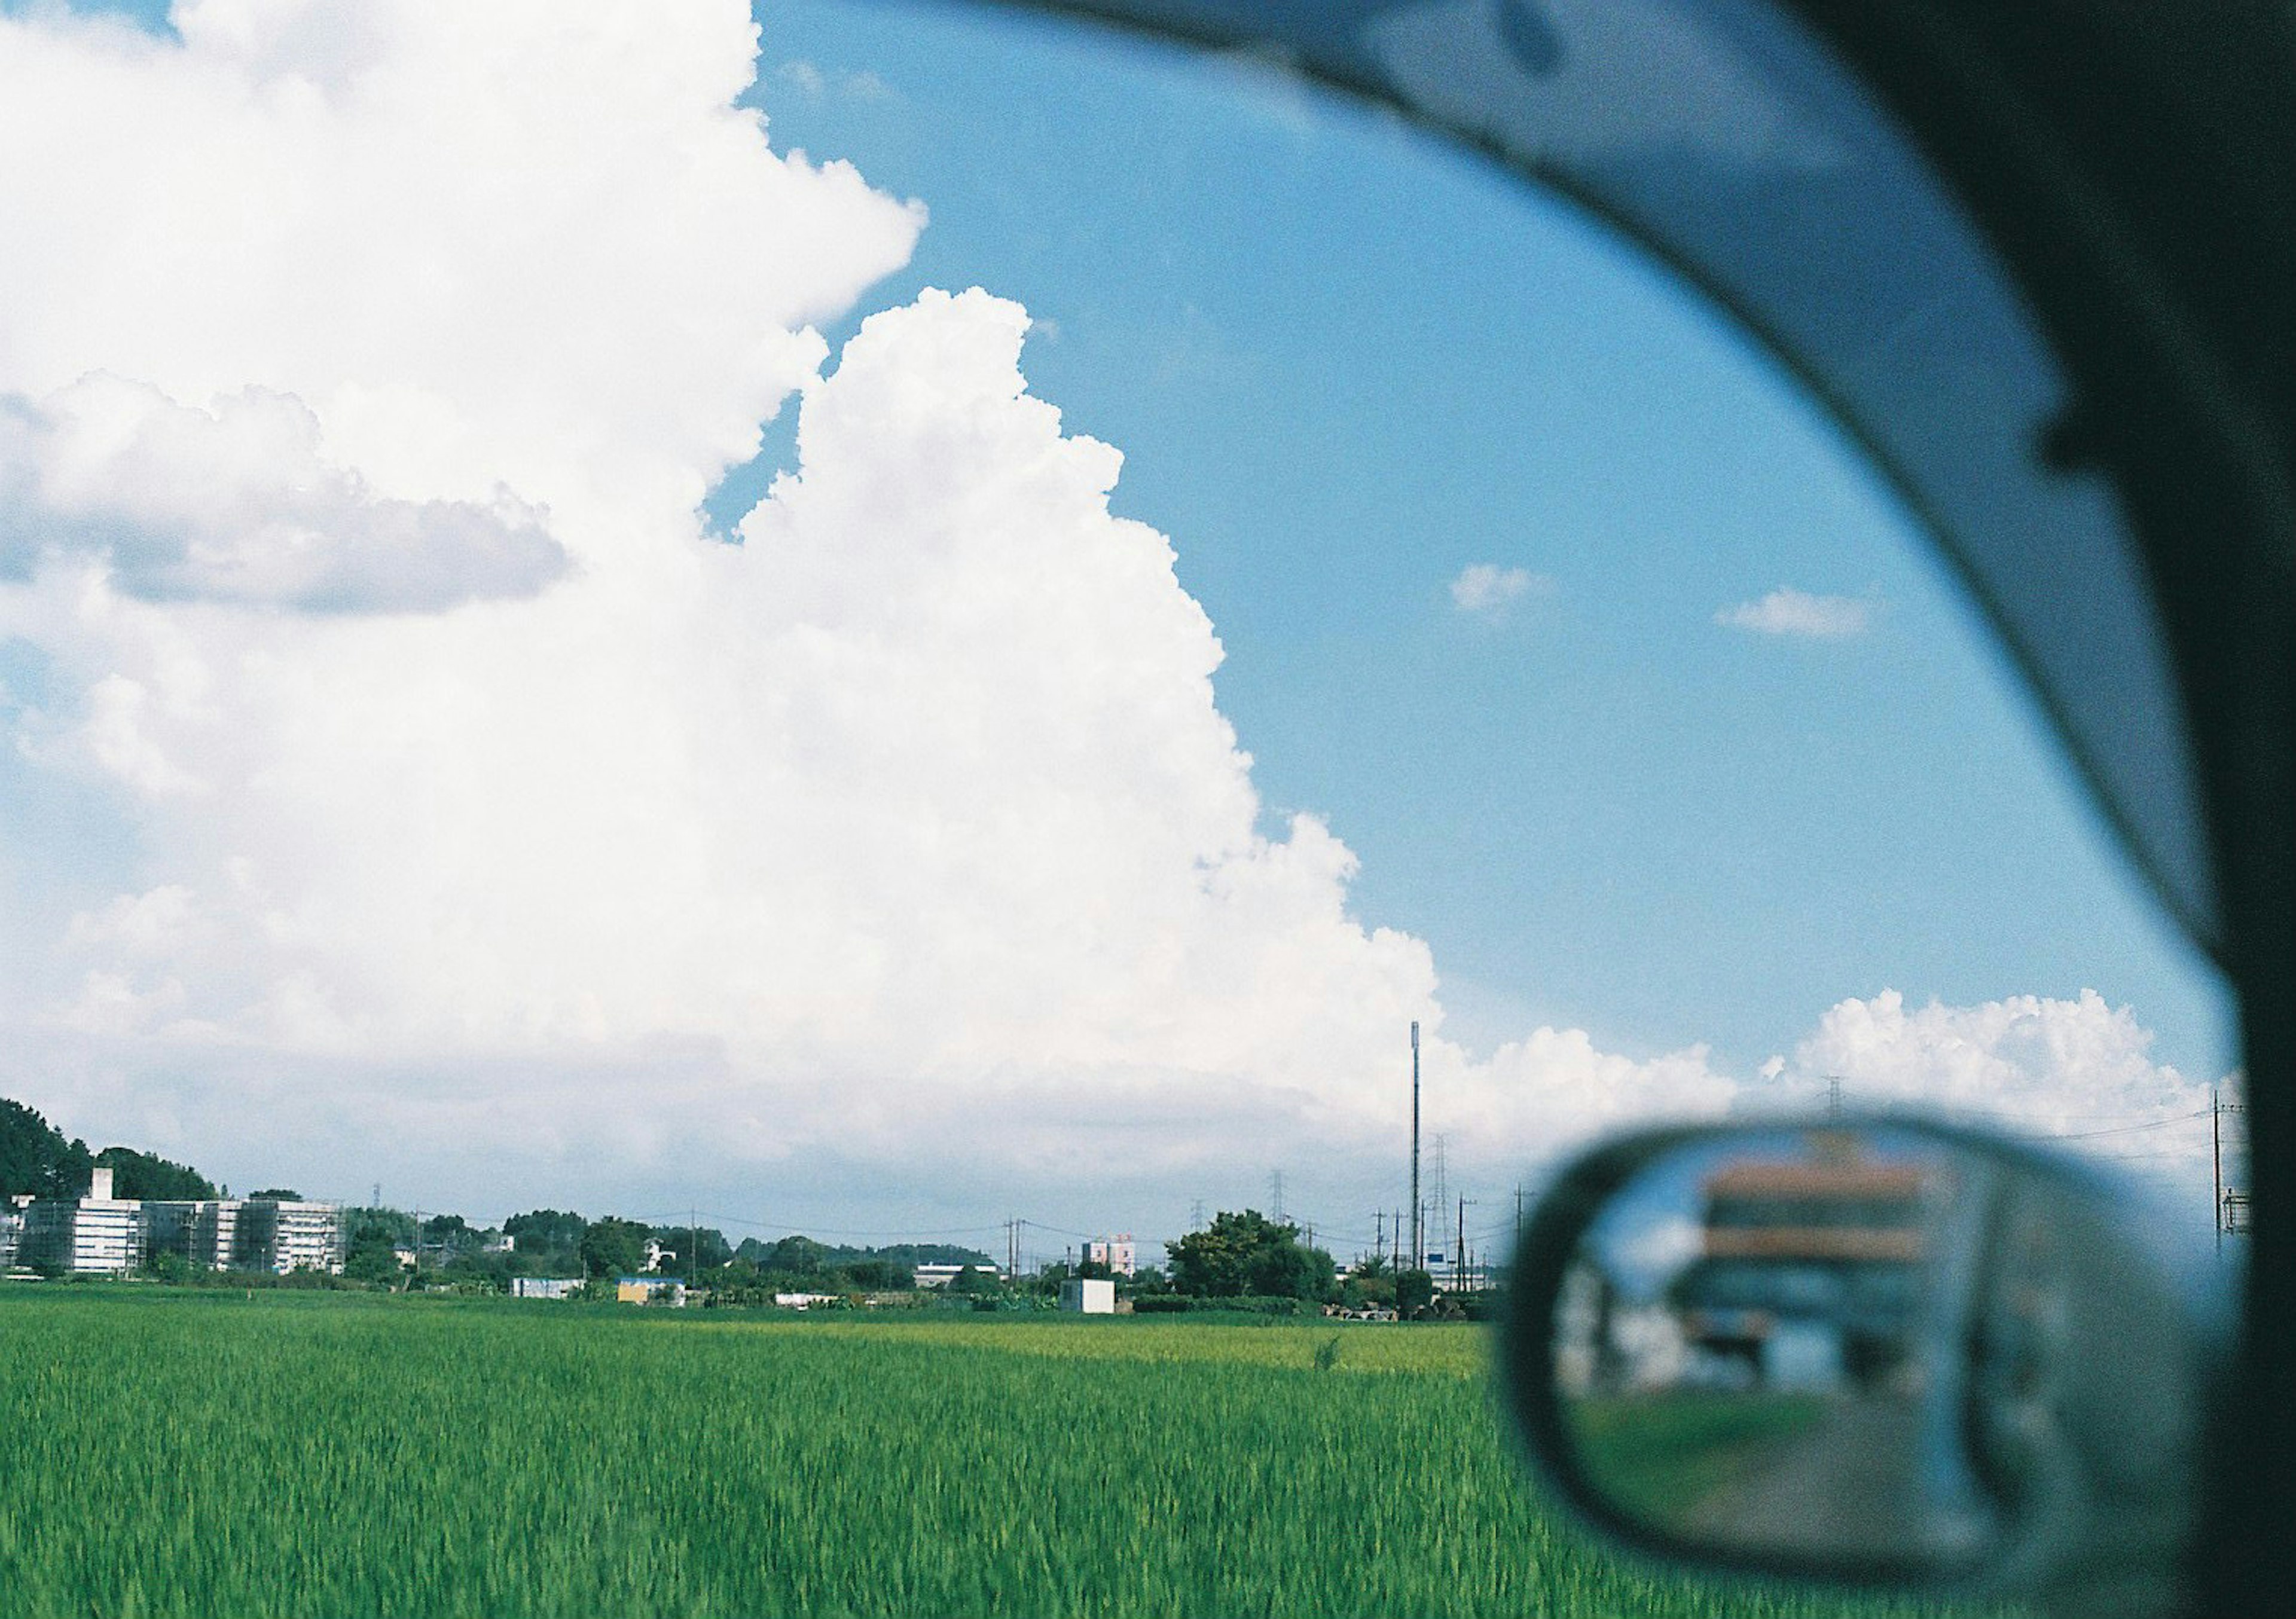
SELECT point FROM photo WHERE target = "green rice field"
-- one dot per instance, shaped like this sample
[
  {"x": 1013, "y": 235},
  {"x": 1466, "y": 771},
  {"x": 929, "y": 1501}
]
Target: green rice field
[{"x": 214, "y": 1452}]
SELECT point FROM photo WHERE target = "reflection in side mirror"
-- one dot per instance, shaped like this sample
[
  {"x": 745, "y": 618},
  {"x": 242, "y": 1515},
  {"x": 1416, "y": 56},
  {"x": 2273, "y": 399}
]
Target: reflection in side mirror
[{"x": 1862, "y": 1352}]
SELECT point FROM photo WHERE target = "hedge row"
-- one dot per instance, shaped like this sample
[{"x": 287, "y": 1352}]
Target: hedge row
[{"x": 1173, "y": 1303}]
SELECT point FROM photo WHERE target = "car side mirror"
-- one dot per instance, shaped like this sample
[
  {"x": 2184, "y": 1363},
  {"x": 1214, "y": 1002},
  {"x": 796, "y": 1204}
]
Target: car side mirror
[{"x": 1877, "y": 1351}]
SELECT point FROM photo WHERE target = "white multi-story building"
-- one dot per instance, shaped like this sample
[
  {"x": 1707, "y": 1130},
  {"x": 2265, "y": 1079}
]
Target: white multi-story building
[
  {"x": 11, "y": 1231},
  {"x": 100, "y": 1235},
  {"x": 174, "y": 1227},
  {"x": 276, "y": 1234},
  {"x": 305, "y": 1236},
  {"x": 97, "y": 1235}
]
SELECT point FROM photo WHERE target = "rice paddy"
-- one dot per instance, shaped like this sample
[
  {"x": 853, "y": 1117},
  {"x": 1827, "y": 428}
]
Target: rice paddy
[{"x": 215, "y": 1454}]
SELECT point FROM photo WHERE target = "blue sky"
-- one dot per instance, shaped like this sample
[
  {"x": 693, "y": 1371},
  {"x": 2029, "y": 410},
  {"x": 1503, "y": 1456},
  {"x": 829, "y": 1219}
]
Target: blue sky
[
  {"x": 687, "y": 868},
  {"x": 1343, "y": 364}
]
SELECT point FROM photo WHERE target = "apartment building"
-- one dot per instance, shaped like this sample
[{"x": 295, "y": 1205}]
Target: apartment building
[
  {"x": 100, "y": 1235},
  {"x": 96, "y": 1235},
  {"x": 11, "y": 1231}
]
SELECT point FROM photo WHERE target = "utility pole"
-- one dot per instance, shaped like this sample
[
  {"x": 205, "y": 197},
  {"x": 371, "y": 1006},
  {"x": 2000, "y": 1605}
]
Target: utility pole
[
  {"x": 1379, "y": 1234},
  {"x": 2232, "y": 1202},
  {"x": 1418, "y": 1229},
  {"x": 1459, "y": 1253}
]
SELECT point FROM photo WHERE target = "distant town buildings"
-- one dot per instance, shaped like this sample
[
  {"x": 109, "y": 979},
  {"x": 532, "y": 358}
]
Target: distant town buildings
[
  {"x": 101, "y": 1235},
  {"x": 648, "y": 1290},
  {"x": 1114, "y": 1251}
]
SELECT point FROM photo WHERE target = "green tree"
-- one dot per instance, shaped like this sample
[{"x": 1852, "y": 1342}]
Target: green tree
[
  {"x": 975, "y": 1278},
  {"x": 371, "y": 1258},
  {"x": 556, "y": 1230},
  {"x": 167, "y": 1265},
  {"x": 36, "y": 1159},
  {"x": 392, "y": 1228},
  {"x": 1368, "y": 1287},
  {"x": 877, "y": 1275},
  {"x": 795, "y": 1256},
  {"x": 1414, "y": 1291},
  {"x": 691, "y": 1250},
  {"x": 614, "y": 1248},
  {"x": 1293, "y": 1270},
  {"x": 1249, "y": 1252},
  {"x": 140, "y": 1175}
]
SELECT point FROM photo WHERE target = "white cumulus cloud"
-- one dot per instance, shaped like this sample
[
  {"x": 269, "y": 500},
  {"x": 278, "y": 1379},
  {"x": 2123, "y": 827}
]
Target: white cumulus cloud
[
  {"x": 2076, "y": 1073},
  {"x": 907, "y": 831},
  {"x": 1487, "y": 588},
  {"x": 237, "y": 504},
  {"x": 1787, "y": 611},
  {"x": 533, "y": 247},
  {"x": 916, "y": 798}
]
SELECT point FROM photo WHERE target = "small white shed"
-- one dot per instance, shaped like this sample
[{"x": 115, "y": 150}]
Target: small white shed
[{"x": 1096, "y": 1296}]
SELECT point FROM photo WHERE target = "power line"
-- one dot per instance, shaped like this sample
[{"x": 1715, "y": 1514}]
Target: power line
[{"x": 2085, "y": 1135}]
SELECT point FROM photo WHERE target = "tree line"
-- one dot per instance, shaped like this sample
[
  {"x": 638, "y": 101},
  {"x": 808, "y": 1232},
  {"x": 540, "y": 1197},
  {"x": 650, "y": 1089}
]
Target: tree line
[
  {"x": 562, "y": 1243},
  {"x": 1242, "y": 1254},
  {"x": 36, "y": 1160}
]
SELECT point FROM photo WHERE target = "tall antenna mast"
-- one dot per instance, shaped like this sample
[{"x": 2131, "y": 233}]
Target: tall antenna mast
[{"x": 1418, "y": 1219}]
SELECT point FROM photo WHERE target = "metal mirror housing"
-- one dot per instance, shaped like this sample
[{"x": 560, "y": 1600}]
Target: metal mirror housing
[{"x": 1867, "y": 1352}]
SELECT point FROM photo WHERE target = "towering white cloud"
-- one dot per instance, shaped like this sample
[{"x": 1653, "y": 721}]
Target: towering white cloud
[
  {"x": 236, "y": 504},
  {"x": 918, "y": 794},
  {"x": 444, "y": 789},
  {"x": 531, "y": 245}
]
